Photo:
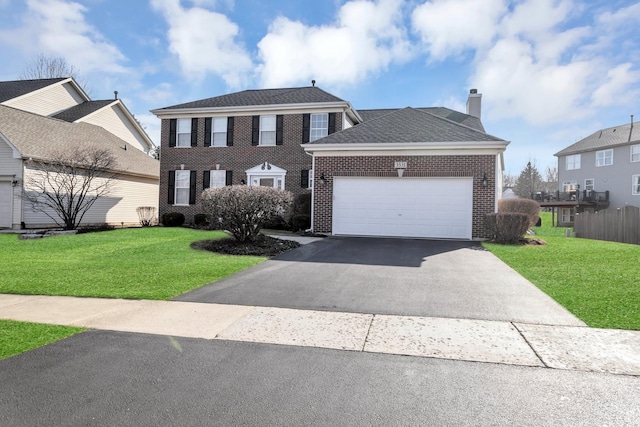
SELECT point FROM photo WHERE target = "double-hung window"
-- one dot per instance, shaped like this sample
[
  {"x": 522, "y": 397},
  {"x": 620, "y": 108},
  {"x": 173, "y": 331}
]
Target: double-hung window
[
  {"x": 182, "y": 186},
  {"x": 635, "y": 185},
  {"x": 635, "y": 153},
  {"x": 267, "y": 130},
  {"x": 567, "y": 215},
  {"x": 319, "y": 126},
  {"x": 604, "y": 158},
  {"x": 589, "y": 184},
  {"x": 183, "y": 133},
  {"x": 219, "y": 131},
  {"x": 573, "y": 162},
  {"x": 217, "y": 178},
  {"x": 569, "y": 186}
]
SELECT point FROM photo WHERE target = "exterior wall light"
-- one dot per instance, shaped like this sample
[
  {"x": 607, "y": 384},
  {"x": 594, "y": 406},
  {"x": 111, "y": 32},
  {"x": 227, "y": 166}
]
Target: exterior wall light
[
  {"x": 485, "y": 180},
  {"x": 322, "y": 179}
]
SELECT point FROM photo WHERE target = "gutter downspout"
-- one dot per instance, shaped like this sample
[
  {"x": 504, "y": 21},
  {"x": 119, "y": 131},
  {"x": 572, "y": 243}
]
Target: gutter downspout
[{"x": 313, "y": 189}]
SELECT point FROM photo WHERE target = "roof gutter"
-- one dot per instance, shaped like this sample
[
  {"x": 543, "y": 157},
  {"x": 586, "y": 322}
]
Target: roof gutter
[
  {"x": 406, "y": 146},
  {"x": 160, "y": 112}
]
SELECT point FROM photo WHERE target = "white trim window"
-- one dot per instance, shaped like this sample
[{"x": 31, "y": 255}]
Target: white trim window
[
  {"x": 183, "y": 137},
  {"x": 573, "y": 162},
  {"x": 589, "y": 184},
  {"x": 566, "y": 215},
  {"x": 267, "y": 130},
  {"x": 604, "y": 157},
  {"x": 319, "y": 126},
  {"x": 635, "y": 153},
  {"x": 217, "y": 178},
  {"x": 569, "y": 186},
  {"x": 218, "y": 132},
  {"x": 182, "y": 186},
  {"x": 635, "y": 185}
]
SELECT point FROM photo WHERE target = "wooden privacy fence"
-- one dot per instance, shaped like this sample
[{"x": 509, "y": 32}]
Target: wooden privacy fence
[{"x": 616, "y": 225}]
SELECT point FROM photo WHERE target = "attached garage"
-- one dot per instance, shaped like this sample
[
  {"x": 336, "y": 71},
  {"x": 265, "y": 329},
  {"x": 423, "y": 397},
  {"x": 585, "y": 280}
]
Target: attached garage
[{"x": 403, "y": 207}]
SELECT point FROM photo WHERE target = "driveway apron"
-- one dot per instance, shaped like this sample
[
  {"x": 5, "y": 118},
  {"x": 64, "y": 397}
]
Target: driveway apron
[{"x": 409, "y": 277}]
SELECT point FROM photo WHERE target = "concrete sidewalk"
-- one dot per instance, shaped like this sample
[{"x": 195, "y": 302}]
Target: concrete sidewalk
[{"x": 511, "y": 343}]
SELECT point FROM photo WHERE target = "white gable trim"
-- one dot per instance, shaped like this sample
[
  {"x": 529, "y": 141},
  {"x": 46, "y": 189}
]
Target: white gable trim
[
  {"x": 70, "y": 80},
  {"x": 266, "y": 168}
]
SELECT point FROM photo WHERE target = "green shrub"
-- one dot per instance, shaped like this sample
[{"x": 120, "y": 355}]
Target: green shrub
[
  {"x": 200, "y": 220},
  {"x": 243, "y": 210},
  {"x": 529, "y": 207},
  {"x": 300, "y": 222},
  {"x": 173, "y": 219},
  {"x": 507, "y": 228}
]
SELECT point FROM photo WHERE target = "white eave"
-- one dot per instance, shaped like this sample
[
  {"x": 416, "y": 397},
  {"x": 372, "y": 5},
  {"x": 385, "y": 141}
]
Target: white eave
[
  {"x": 493, "y": 146},
  {"x": 183, "y": 112},
  {"x": 75, "y": 85}
]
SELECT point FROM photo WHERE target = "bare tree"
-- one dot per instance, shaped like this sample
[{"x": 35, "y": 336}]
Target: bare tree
[
  {"x": 50, "y": 67},
  {"x": 551, "y": 178},
  {"x": 67, "y": 185},
  {"x": 529, "y": 181},
  {"x": 508, "y": 180}
]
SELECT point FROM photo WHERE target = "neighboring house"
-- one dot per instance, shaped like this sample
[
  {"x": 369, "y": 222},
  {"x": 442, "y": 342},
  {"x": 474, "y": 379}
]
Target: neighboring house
[
  {"x": 599, "y": 171},
  {"x": 425, "y": 172},
  {"x": 39, "y": 118}
]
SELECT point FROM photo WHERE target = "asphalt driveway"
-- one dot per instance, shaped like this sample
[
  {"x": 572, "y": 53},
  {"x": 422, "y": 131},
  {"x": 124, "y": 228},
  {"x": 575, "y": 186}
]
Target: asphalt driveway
[{"x": 407, "y": 277}]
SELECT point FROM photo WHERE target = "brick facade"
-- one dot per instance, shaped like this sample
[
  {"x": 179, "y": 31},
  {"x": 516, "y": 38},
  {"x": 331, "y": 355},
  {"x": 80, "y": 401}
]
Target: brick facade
[
  {"x": 475, "y": 166},
  {"x": 237, "y": 158}
]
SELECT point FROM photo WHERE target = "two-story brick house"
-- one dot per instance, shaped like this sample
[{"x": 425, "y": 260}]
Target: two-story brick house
[
  {"x": 426, "y": 172},
  {"x": 603, "y": 169}
]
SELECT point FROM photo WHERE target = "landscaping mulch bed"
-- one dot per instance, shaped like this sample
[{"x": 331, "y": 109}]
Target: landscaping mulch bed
[{"x": 262, "y": 246}]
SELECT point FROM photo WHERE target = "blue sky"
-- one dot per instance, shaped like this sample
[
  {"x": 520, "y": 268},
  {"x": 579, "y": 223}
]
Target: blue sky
[{"x": 551, "y": 71}]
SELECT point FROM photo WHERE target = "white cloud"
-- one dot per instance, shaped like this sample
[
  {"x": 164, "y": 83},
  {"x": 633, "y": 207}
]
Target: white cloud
[
  {"x": 449, "y": 27},
  {"x": 58, "y": 28},
  {"x": 366, "y": 38},
  {"x": 204, "y": 42},
  {"x": 530, "y": 60}
]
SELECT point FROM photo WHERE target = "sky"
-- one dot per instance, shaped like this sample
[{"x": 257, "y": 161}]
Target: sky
[{"x": 550, "y": 72}]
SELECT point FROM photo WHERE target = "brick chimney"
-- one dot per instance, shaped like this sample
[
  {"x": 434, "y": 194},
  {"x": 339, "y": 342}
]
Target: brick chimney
[{"x": 474, "y": 103}]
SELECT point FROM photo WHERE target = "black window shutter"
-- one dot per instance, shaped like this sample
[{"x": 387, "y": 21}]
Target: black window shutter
[
  {"x": 173, "y": 126},
  {"x": 172, "y": 187},
  {"x": 279, "y": 129},
  {"x": 304, "y": 178},
  {"x": 207, "y": 132},
  {"x": 192, "y": 187},
  {"x": 229, "y": 178},
  {"x": 230, "y": 131},
  {"x": 206, "y": 179},
  {"x": 306, "y": 126},
  {"x": 255, "y": 130},
  {"x": 332, "y": 123},
  {"x": 194, "y": 132}
]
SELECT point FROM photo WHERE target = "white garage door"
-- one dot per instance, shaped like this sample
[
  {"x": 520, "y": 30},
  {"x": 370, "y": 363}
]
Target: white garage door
[
  {"x": 6, "y": 204},
  {"x": 403, "y": 207}
]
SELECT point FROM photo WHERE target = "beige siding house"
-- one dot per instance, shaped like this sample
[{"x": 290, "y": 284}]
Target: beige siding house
[{"x": 40, "y": 118}]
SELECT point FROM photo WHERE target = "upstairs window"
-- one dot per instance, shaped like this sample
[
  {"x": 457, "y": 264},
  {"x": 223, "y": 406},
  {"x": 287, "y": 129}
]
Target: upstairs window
[
  {"x": 635, "y": 153},
  {"x": 183, "y": 133},
  {"x": 219, "y": 132},
  {"x": 573, "y": 162},
  {"x": 319, "y": 126},
  {"x": 604, "y": 158},
  {"x": 267, "y": 130},
  {"x": 635, "y": 185}
]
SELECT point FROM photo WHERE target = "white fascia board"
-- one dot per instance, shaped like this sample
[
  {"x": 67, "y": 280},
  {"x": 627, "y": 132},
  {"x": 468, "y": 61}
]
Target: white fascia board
[
  {"x": 252, "y": 109},
  {"x": 418, "y": 148}
]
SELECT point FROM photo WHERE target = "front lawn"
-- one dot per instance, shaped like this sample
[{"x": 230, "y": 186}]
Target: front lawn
[
  {"x": 595, "y": 280},
  {"x": 137, "y": 263},
  {"x": 18, "y": 337}
]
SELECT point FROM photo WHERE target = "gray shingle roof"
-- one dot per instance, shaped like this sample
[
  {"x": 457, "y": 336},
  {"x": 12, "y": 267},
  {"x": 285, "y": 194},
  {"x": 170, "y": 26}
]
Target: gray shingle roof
[
  {"x": 407, "y": 125},
  {"x": 16, "y": 88},
  {"x": 42, "y": 137},
  {"x": 81, "y": 110},
  {"x": 455, "y": 116},
  {"x": 610, "y": 137},
  {"x": 298, "y": 95}
]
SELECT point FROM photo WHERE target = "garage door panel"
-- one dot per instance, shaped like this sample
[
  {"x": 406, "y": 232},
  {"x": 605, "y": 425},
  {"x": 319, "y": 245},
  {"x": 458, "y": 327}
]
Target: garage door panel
[{"x": 403, "y": 207}]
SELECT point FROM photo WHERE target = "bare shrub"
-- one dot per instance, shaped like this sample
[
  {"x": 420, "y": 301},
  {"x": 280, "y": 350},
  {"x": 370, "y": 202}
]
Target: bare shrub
[
  {"x": 508, "y": 228},
  {"x": 146, "y": 215},
  {"x": 242, "y": 210},
  {"x": 531, "y": 208}
]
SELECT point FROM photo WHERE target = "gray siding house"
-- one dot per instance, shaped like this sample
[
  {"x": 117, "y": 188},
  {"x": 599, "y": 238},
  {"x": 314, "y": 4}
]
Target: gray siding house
[{"x": 600, "y": 171}]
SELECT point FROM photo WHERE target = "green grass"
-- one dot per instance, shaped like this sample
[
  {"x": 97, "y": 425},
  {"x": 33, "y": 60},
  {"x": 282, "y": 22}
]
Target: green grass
[
  {"x": 18, "y": 337},
  {"x": 138, "y": 263},
  {"x": 595, "y": 280}
]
